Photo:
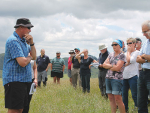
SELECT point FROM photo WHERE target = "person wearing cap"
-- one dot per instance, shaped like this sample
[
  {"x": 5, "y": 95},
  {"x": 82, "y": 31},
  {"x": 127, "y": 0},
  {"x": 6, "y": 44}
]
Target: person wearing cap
[
  {"x": 138, "y": 43},
  {"x": 102, "y": 71},
  {"x": 72, "y": 53},
  {"x": 144, "y": 76},
  {"x": 114, "y": 77},
  {"x": 57, "y": 68},
  {"x": 43, "y": 64},
  {"x": 75, "y": 70},
  {"x": 17, "y": 67},
  {"x": 130, "y": 73}
]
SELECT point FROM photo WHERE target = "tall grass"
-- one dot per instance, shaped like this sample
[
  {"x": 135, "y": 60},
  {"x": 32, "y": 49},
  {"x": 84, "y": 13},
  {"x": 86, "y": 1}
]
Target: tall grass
[{"x": 64, "y": 98}]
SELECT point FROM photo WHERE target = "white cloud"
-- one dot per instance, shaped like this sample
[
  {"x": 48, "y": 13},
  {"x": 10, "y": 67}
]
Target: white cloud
[{"x": 63, "y": 25}]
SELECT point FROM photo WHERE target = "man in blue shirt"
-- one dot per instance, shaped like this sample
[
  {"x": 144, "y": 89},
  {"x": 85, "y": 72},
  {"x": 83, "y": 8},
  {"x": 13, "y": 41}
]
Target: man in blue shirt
[
  {"x": 43, "y": 64},
  {"x": 144, "y": 77},
  {"x": 17, "y": 67}
]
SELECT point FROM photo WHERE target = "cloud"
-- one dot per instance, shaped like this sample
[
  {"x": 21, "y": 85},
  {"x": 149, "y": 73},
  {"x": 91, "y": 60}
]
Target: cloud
[{"x": 62, "y": 25}]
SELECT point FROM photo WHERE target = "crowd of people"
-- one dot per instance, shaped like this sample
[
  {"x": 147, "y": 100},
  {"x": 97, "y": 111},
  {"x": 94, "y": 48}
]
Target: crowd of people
[{"x": 123, "y": 69}]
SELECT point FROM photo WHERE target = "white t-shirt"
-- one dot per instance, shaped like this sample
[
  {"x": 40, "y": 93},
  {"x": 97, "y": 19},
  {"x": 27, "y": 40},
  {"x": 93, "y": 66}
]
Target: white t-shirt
[
  {"x": 32, "y": 64},
  {"x": 133, "y": 68}
]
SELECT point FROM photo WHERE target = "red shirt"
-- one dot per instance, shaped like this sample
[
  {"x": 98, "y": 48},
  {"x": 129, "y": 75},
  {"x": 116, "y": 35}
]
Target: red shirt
[{"x": 69, "y": 63}]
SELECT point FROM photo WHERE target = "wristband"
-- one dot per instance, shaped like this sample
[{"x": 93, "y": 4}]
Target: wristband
[
  {"x": 32, "y": 44},
  {"x": 146, "y": 61}
]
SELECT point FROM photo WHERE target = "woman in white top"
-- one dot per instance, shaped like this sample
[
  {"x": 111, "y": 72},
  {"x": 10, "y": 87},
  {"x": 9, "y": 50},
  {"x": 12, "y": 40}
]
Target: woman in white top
[
  {"x": 131, "y": 72},
  {"x": 34, "y": 79}
]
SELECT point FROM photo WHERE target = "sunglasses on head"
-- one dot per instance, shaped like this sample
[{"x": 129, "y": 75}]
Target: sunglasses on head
[
  {"x": 114, "y": 44},
  {"x": 129, "y": 43}
]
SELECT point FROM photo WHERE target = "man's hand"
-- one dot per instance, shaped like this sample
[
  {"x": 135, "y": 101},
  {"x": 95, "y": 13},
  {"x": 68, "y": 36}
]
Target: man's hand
[
  {"x": 143, "y": 56},
  {"x": 101, "y": 65},
  {"x": 35, "y": 81},
  {"x": 29, "y": 38}
]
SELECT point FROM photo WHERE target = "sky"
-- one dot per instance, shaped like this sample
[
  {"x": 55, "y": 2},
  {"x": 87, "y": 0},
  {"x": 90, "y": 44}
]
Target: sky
[{"x": 62, "y": 25}]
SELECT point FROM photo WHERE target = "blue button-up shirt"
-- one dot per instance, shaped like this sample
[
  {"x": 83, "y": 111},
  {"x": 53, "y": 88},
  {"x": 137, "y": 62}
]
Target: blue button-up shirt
[
  {"x": 12, "y": 71},
  {"x": 145, "y": 50}
]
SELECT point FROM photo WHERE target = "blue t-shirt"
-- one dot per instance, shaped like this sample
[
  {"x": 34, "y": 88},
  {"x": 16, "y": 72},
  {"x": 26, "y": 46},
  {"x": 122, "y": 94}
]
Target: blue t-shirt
[
  {"x": 84, "y": 65},
  {"x": 42, "y": 63},
  {"x": 12, "y": 71}
]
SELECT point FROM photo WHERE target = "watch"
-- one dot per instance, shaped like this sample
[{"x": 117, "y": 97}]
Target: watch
[
  {"x": 32, "y": 44},
  {"x": 146, "y": 61}
]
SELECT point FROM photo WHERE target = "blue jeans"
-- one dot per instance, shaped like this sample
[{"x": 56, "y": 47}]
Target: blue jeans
[
  {"x": 130, "y": 83},
  {"x": 114, "y": 86},
  {"x": 143, "y": 91}
]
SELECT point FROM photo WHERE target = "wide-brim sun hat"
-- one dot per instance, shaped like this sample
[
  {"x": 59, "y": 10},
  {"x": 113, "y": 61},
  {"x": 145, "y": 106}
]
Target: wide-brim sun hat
[
  {"x": 71, "y": 51},
  {"x": 23, "y": 22},
  {"x": 102, "y": 46}
]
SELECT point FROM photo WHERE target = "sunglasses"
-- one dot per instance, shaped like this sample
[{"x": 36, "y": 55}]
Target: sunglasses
[
  {"x": 29, "y": 28},
  {"x": 129, "y": 43},
  {"x": 114, "y": 44}
]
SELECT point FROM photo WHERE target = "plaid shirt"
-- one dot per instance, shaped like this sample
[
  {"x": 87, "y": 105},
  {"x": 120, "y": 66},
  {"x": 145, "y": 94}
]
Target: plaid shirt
[{"x": 12, "y": 71}]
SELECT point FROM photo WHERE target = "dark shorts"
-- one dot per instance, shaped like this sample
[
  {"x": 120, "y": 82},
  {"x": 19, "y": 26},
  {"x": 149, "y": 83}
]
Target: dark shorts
[
  {"x": 56, "y": 74},
  {"x": 15, "y": 95}
]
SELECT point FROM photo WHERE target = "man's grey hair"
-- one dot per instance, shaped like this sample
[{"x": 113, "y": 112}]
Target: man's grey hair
[{"x": 147, "y": 23}]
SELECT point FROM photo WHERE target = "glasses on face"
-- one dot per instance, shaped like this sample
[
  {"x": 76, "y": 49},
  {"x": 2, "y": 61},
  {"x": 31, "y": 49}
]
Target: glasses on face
[
  {"x": 129, "y": 43},
  {"x": 114, "y": 44},
  {"x": 144, "y": 32},
  {"x": 76, "y": 50},
  {"x": 29, "y": 28}
]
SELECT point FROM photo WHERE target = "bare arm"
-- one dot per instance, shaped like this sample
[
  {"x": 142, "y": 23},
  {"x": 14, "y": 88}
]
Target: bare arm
[
  {"x": 23, "y": 61},
  {"x": 29, "y": 38},
  {"x": 63, "y": 68},
  {"x": 107, "y": 64},
  {"x": 35, "y": 72},
  {"x": 118, "y": 66},
  {"x": 140, "y": 59},
  {"x": 48, "y": 66},
  {"x": 51, "y": 66}
]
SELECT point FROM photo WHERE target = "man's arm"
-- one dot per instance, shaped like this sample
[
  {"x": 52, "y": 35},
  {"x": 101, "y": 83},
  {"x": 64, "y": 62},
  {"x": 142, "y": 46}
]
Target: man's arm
[
  {"x": 48, "y": 66},
  {"x": 140, "y": 59},
  {"x": 35, "y": 73},
  {"x": 23, "y": 61},
  {"x": 63, "y": 68}
]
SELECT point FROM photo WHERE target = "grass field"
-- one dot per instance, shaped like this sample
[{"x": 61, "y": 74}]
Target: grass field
[{"x": 64, "y": 98}]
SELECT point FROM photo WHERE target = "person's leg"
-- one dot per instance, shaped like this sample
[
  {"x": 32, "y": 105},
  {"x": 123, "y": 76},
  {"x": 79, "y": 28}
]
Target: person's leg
[
  {"x": 79, "y": 77},
  {"x": 100, "y": 83},
  {"x": 70, "y": 81},
  {"x": 15, "y": 110},
  {"x": 87, "y": 81},
  {"x": 39, "y": 78},
  {"x": 117, "y": 86},
  {"x": 58, "y": 80},
  {"x": 118, "y": 100},
  {"x": 125, "y": 93},
  {"x": 54, "y": 79},
  {"x": 83, "y": 83},
  {"x": 73, "y": 77},
  {"x": 26, "y": 108},
  {"x": 44, "y": 77},
  {"x": 103, "y": 75},
  {"x": 112, "y": 103},
  {"x": 133, "y": 87},
  {"x": 142, "y": 93}
]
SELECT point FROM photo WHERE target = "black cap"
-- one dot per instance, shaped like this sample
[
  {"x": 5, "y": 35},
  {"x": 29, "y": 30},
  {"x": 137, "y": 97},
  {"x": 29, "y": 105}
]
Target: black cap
[
  {"x": 138, "y": 39},
  {"x": 23, "y": 22}
]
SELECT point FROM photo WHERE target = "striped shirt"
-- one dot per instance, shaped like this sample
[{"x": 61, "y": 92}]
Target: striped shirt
[
  {"x": 57, "y": 64},
  {"x": 12, "y": 71}
]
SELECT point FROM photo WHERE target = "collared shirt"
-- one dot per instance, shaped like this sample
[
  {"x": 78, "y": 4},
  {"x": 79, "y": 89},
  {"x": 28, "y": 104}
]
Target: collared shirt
[
  {"x": 145, "y": 50},
  {"x": 42, "y": 62},
  {"x": 57, "y": 64},
  {"x": 12, "y": 71}
]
